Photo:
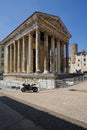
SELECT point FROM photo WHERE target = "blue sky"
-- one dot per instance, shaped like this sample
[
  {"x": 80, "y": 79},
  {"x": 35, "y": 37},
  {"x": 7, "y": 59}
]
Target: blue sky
[{"x": 72, "y": 12}]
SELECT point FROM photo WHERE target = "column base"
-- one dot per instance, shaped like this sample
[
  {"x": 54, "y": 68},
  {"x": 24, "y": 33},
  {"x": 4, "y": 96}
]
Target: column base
[
  {"x": 30, "y": 72},
  {"x": 38, "y": 71},
  {"x": 23, "y": 71},
  {"x": 46, "y": 72}
]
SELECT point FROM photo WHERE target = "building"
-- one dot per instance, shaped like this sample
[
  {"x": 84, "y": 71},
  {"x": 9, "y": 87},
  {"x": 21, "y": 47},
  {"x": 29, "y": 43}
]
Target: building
[
  {"x": 1, "y": 57},
  {"x": 36, "y": 50},
  {"x": 78, "y": 60}
]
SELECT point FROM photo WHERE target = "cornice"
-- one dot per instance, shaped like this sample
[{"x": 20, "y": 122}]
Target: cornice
[
  {"x": 32, "y": 19},
  {"x": 21, "y": 27},
  {"x": 57, "y": 18}
]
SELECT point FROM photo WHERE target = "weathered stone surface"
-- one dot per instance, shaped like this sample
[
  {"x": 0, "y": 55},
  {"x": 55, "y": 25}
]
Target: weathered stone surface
[{"x": 39, "y": 48}]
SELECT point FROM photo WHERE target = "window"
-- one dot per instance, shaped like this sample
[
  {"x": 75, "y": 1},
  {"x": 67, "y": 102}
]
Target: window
[
  {"x": 84, "y": 55},
  {"x": 85, "y": 64},
  {"x": 84, "y": 59}
]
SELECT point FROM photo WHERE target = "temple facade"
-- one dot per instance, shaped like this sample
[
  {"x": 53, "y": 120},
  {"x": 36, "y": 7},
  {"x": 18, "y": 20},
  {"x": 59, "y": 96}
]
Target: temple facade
[{"x": 36, "y": 50}]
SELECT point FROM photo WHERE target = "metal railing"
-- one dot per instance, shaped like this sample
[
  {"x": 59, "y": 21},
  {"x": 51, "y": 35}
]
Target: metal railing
[{"x": 70, "y": 81}]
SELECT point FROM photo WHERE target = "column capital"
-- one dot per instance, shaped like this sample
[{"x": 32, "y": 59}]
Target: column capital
[{"x": 37, "y": 27}]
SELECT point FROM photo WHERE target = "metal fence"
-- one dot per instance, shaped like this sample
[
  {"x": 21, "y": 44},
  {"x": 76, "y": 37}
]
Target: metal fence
[{"x": 70, "y": 81}]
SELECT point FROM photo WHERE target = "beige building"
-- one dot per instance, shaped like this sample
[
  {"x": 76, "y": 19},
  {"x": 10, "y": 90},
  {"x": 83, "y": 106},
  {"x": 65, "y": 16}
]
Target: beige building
[
  {"x": 1, "y": 57},
  {"x": 36, "y": 50},
  {"x": 78, "y": 60}
]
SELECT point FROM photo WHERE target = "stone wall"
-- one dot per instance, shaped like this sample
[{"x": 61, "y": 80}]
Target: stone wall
[{"x": 41, "y": 80}]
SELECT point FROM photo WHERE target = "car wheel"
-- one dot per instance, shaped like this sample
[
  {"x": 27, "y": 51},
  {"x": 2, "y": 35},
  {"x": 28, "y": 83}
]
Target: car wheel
[
  {"x": 35, "y": 89},
  {"x": 23, "y": 89}
]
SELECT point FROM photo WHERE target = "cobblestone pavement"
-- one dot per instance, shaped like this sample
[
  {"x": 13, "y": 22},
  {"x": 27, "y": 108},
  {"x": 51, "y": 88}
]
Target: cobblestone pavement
[{"x": 58, "y": 109}]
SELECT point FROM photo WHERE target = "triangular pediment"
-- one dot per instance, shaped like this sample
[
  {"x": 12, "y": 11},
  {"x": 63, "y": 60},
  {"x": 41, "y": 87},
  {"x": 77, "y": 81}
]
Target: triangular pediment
[
  {"x": 51, "y": 20},
  {"x": 55, "y": 21}
]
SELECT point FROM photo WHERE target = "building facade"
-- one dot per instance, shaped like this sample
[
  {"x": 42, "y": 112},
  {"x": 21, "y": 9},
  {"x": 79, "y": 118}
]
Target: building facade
[
  {"x": 36, "y": 49},
  {"x": 1, "y": 57},
  {"x": 78, "y": 60}
]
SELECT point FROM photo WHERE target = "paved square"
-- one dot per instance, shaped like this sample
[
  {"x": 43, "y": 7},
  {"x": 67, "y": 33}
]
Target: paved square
[{"x": 67, "y": 103}]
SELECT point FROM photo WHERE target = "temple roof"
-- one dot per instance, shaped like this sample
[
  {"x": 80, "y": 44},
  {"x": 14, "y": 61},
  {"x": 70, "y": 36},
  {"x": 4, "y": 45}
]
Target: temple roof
[{"x": 54, "y": 21}]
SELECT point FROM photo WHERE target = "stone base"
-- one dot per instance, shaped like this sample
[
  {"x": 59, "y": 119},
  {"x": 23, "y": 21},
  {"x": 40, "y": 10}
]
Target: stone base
[{"x": 41, "y": 80}]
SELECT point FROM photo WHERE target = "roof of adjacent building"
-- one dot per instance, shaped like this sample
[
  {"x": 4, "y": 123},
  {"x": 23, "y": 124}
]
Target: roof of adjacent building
[{"x": 83, "y": 52}]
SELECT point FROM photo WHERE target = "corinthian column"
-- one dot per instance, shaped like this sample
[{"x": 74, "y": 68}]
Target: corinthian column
[
  {"x": 18, "y": 57},
  {"x": 30, "y": 55},
  {"x": 11, "y": 59},
  {"x": 6, "y": 60},
  {"x": 58, "y": 56},
  {"x": 14, "y": 57},
  {"x": 37, "y": 50},
  {"x": 62, "y": 57},
  {"x": 23, "y": 55},
  {"x": 46, "y": 53},
  {"x": 52, "y": 54},
  {"x": 67, "y": 58}
]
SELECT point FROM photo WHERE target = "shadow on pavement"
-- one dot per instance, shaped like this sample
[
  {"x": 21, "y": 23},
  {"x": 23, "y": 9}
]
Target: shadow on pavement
[{"x": 40, "y": 118}]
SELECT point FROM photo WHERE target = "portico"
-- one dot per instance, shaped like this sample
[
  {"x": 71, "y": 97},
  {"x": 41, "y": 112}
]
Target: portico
[{"x": 37, "y": 46}]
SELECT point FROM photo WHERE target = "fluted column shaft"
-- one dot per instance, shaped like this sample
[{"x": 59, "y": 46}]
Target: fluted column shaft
[
  {"x": 62, "y": 57},
  {"x": 23, "y": 54},
  {"x": 18, "y": 55},
  {"x": 14, "y": 57},
  {"x": 37, "y": 50},
  {"x": 58, "y": 56},
  {"x": 6, "y": 60},
  {"x": 30, "y": 54},
  {"x": 46, "y": 53},
  {"x": 53, "y": 54},
  {"x": 11, "y": 59},
  {"x": 67, "y": 58}
]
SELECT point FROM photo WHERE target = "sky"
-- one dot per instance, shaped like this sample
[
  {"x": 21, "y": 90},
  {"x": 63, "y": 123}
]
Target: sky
[{"x": 73, "y": 13}]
